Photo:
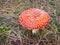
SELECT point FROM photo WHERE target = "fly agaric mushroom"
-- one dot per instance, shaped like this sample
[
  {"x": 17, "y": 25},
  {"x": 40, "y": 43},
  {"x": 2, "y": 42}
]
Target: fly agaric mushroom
[{"x": 34, "y": 19}]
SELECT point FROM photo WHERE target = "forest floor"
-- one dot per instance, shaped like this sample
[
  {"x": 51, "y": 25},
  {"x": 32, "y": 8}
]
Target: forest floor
[{"x": 9, "y": 16}]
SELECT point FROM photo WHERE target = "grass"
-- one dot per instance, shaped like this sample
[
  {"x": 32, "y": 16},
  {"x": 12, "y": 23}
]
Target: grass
[{"x": 4, "y": 32}]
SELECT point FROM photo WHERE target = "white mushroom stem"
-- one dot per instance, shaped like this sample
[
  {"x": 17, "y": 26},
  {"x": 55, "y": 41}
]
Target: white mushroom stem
[{"x": 34, "y": 31}]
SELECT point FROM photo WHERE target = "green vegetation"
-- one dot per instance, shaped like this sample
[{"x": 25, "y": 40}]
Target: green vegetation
[{"x": 4, "y": 32}]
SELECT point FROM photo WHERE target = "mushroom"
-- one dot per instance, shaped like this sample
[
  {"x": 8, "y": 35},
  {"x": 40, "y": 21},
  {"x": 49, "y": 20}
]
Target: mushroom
[{"x": 34, "y": 19}]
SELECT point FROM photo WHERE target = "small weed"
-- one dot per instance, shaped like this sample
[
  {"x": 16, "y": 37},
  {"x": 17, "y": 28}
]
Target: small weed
[{"x": 52, "y": 2}]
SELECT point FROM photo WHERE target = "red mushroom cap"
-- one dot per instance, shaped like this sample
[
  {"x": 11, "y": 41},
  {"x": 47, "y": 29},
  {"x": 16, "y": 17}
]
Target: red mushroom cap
[{"x": 34, "y": 18}]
